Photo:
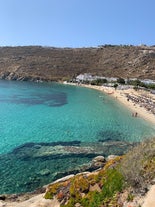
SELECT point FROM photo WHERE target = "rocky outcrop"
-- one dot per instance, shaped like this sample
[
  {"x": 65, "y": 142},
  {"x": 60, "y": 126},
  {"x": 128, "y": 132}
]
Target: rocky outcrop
[
  {"x": 34, "y": 199},
  {"x": 85, "y": 185},
  {"x": 98, "y": 162},
  {"x": 114, "y": 182}
]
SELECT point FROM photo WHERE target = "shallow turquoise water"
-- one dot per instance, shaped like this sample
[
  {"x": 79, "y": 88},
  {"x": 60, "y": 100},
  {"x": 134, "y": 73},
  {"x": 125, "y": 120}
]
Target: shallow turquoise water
[
  {"x": 32, "y": 112},
  {"x": 50, "y": 112}
]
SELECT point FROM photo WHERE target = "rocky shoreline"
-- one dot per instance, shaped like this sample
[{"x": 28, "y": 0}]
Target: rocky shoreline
[
  {"x": 101, "y": 174},
  {"x": 40, "y": 196},
  {"x": 16, "y": 77},
  {"x": 37, "y": 197},
  {"x": 54, "y": 150},
  {"x": 42, "y": 162}
]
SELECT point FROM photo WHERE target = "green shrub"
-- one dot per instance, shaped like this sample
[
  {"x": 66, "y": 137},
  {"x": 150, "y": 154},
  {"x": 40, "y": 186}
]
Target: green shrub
[
  {"x": 109, "y": 181},
  {"x": 99, "y": 82},
  {"x": 48, "y": 195},
  {"x": 112, "y": 183},
  {"x": 130, "y": 197},
  {"x": 121, "y": 80},
  {"x": 93, "y": 199},
  {"x": 53, "y": 190},
  {"x": 151, "y": 86}
]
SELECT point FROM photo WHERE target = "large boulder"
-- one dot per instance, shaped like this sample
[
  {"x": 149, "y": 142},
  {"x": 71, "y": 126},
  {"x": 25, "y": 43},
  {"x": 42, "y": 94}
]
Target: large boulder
[{"x": 98, "y": 162}]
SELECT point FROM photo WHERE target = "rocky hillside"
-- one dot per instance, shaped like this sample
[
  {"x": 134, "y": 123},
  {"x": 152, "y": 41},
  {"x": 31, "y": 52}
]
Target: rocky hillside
[{"x": 49, "y": 63}]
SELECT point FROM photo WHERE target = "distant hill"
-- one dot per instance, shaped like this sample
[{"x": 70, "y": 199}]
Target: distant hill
[{"x": 49, "y": 63}]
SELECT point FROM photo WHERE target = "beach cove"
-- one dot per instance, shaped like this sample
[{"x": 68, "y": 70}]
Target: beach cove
[
  {"x": 57, "y": 129},
  {"x": 122, "y": 97}
]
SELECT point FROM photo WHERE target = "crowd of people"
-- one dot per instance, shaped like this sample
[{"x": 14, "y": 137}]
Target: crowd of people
[{"x": 146, "y": 101}]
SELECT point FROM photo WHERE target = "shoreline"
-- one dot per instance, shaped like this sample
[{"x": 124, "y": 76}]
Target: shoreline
[{"x": 120, "y": 95}]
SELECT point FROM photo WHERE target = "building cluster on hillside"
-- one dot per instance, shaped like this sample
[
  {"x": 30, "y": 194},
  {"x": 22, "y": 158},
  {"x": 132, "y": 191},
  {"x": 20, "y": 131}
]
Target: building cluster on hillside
[
  {"x": 148, "y": 81},
  {"x": 89, "y": 77}
]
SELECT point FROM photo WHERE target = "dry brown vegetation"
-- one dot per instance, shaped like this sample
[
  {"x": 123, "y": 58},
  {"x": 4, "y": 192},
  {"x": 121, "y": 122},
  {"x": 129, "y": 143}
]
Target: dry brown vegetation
[
  {"x": 48, "y": 63},
  {"x": 138, "y": 166}
]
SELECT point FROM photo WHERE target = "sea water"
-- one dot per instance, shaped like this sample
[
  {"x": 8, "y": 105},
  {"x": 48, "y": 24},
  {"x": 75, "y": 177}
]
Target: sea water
[{"x": 54, "y": 113}]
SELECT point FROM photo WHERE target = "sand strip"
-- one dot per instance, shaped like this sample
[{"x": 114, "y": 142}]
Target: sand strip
[{"x": 120, "y": 95}]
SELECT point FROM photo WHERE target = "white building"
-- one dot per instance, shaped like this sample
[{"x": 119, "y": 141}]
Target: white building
[
  {"x": 89, "y": 77},
  {"x": 84, "y": 77},
  {"x": 148, "y": 81}
]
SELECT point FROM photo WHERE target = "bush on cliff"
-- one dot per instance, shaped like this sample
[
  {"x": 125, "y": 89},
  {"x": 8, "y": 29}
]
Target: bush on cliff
[
  {"x": 138, "y": 165},
  {"x": 106, "y": 185}
]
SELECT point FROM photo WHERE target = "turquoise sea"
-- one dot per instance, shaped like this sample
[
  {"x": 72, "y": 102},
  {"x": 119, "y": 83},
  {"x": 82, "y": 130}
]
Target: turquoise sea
[{"x": 35, "y": 115}]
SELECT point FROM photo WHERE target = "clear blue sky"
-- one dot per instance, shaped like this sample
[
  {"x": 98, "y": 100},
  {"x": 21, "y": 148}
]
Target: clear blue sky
[{"x": 77, "y": 23}]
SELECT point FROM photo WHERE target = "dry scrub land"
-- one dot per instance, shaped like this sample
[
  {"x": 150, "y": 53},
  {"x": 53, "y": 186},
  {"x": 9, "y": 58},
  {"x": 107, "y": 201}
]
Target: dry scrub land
[{"x": 49, "y": 63}]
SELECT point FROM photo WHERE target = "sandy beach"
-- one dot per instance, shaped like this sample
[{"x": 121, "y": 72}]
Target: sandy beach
[{"x": 121, "y": 96}]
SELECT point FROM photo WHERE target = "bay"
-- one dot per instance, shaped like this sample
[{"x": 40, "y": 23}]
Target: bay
[{"x": 35, "y": 115}]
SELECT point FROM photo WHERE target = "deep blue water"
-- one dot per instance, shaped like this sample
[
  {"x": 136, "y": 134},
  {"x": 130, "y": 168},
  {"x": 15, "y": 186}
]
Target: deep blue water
[{"x": 51, "y": 112}]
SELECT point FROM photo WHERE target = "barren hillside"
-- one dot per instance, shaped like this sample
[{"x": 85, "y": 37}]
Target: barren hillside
[{"x": 49, "y": 63}]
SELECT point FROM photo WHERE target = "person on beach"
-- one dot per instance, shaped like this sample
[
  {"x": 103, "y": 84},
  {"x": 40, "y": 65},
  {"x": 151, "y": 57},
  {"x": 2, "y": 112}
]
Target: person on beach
[{"x": 135, "y": 114}]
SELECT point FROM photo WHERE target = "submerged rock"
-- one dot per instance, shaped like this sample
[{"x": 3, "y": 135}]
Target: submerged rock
[
  {"x": 44, "y": 172},
  {"x": 109, "y": 135},
  {"x": 63, "y": 149},
  {"x": 35, "y": 164}
]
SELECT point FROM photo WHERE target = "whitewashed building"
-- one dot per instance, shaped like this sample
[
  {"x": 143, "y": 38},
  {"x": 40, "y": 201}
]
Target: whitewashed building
[
  {"x": 89, "y": 77},
  {"x": 148, "y": 81},
  {"x": 84, "y": 77}
]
